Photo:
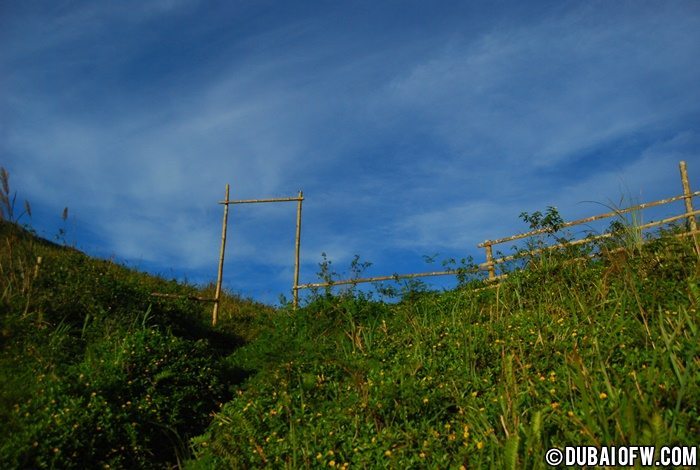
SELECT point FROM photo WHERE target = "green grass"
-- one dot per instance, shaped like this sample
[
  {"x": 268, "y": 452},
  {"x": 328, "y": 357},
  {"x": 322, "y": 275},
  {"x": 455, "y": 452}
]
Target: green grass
[
  {"x": 96, "y": 372},
  {"x": 601, "y": 352}
]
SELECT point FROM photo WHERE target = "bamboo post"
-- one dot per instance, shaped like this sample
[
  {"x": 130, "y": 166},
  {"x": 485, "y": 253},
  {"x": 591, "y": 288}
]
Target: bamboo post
[
  {"x": 688, "y": 196},
  {"x": 219, "y": 278},
  {"x": 37, "y": 266},
  {"x": 297, "y": 246},
  {"x": 489, "y": 260}
]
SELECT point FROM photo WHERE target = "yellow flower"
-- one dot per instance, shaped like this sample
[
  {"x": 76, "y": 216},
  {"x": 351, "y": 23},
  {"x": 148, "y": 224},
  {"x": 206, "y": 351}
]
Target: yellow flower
[
  {"x": 387, "y": 453},
  {"x": 425, "y": 400},
  {"x": 555, "y": 405},
  {"x": 331, "y": 463},
  {"x": 480, "y": 445},
  {"x": 603, "y": 395}
]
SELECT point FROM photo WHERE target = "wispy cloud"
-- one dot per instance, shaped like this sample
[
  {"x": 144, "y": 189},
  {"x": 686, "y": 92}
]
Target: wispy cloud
[
  {"x": 406, "y": 131},
  {"x": 548, "y": 90}
]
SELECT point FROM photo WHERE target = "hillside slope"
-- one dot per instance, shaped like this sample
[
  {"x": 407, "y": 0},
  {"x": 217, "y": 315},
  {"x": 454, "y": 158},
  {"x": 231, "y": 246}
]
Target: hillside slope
[
  {"x": 96, "y": 372},
  {"x": 597, "y": 352}
]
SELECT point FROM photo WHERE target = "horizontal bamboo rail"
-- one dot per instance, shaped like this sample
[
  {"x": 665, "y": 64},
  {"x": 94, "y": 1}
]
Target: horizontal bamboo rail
[
  {"x": 394, "y": 277},
  {"x": 687, "y": 234},
  {"x": 588, "y": 219},
  {"x": 183, "y": 296},
  {"x": 481, "y": 267},
  {"x": 494, "y": 281},
  {"x": 485, "y": 266},
  {"x": 256, "y": 201},
  {"x": 297, "y": 242},
  {"x": 491, "y": 262}
]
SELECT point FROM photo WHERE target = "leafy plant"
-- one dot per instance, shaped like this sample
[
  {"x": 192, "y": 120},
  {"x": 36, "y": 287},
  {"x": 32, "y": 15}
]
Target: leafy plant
[{"x": 474, "y": 378}]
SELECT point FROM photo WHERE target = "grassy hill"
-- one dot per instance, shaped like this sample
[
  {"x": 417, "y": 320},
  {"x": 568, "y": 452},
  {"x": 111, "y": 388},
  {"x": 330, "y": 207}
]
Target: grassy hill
[
  {"x": 96, "y": 372},
  {"x": 597, "y": 352}
]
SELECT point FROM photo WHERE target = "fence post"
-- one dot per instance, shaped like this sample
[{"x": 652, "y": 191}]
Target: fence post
[
  {"x": 297, "y": 245},
  {"x": 489, "y": 259},
  {"x": 687, "y": 193},
  {"x": 219, "y": 278}
]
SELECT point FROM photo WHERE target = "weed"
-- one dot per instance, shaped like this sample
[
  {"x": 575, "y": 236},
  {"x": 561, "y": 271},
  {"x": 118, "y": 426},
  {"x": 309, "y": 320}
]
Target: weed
[{"x": 488, "y": 378}]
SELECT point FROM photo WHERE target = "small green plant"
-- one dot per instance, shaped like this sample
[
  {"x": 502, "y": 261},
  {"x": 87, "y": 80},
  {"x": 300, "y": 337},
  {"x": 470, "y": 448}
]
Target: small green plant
[
  {"x": 539, "y": 250},
  {"x": 328, "y": 276},
  {"x": 550, "y": 221},
  {"x": 466, "y": 270}
]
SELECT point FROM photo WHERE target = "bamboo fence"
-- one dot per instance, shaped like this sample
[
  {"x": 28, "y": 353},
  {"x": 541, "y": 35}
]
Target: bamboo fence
[
  {"x": 182, "y": 296},
  {"x": 220, "y": 271},
  {"x": 489, "y": 265},
  {"x": 297, "y": 245},
  {"x": 690, "y": 214}
]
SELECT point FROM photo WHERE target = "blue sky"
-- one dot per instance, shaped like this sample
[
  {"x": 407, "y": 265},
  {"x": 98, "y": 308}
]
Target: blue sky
[{"x": 413, "y": 128}]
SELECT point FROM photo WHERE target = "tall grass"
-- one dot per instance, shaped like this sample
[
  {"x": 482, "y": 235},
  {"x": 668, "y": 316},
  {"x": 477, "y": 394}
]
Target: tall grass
[
  {"x": 597, "y": 352},
  {"x": 94, "y": 371},
  {"x": 566, "y": 351}
]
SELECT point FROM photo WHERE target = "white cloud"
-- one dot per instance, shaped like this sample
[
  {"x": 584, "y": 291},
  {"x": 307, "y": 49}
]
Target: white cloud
[
  {"x": 652, "y": 176},
  {"x": 402, "y": 147},
  {"x": 548, "y": 90}
]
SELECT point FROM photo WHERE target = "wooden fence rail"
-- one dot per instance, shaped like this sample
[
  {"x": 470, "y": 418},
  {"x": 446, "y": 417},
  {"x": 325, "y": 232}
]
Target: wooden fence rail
[
  {"x": 393, "y": 277},
  {"x": 489, "y": 265},
  {"x": 582, "y": 241},
  {"x": 689, "y": 214},
  {"x": 297, "y": 244}
]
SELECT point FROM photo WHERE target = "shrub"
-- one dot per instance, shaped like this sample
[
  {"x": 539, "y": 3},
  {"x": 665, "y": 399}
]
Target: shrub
[{"x": 132, "y": 402}]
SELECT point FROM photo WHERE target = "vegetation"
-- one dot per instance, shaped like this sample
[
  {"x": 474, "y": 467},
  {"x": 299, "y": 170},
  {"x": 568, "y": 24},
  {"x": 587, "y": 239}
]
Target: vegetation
[
  {"x": 568, "y": 350},
  {"x": 96, "y": 372},
  {"x": 564, "y": 352}
]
